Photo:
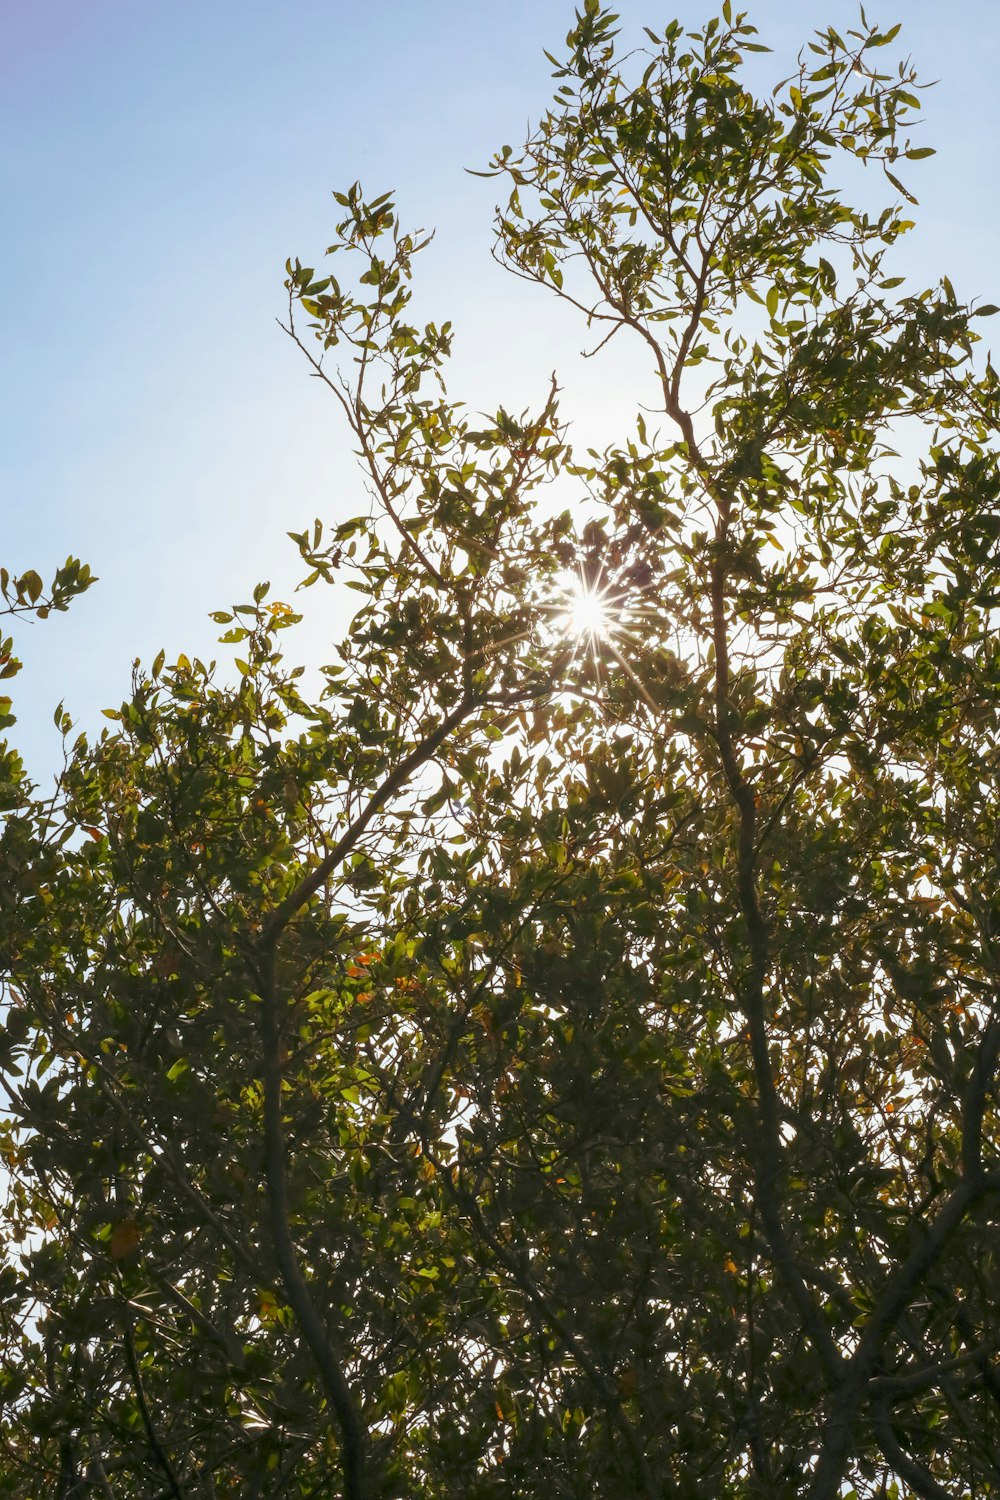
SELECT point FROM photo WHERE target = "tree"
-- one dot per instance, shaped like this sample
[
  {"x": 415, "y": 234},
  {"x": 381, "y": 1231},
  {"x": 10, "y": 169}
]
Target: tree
[{"x": 556, "y": 1056}]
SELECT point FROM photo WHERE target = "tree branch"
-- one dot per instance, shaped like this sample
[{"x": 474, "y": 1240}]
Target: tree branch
[
  {"x": 902, "y": 1463},
  {"x": 335, "y": 1383},
  {"x": 974, "y": 1102},
  {"x": 159, "y": 1454},
  {"x": 311, "y": 883},
  {"x": 896, "y": 1294}
]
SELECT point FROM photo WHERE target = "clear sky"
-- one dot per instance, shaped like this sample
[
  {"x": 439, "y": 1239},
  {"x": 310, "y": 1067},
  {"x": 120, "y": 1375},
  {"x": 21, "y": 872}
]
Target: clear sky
[{"x": 164, "y": 157}]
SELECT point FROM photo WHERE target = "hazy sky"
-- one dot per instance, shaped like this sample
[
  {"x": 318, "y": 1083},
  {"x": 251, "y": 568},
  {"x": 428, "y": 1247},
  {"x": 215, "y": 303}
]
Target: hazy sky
[{"x": 164, "y": 157}]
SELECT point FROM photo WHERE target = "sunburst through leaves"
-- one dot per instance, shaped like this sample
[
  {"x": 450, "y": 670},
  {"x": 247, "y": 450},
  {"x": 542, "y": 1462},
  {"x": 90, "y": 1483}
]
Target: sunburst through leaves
[{"x": 589, "y": 612}]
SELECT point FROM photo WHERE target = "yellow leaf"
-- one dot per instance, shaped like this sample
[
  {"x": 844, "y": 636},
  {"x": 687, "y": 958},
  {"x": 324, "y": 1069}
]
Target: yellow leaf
[{"x": 124, "y": 1239}]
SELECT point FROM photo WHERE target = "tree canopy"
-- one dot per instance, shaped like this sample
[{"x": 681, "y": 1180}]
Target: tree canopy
[{"x": 555, "y": 1054}]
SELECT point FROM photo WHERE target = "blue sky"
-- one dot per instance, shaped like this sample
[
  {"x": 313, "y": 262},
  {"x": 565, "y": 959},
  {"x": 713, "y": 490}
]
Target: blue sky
[{"x": 165, "y": 156}]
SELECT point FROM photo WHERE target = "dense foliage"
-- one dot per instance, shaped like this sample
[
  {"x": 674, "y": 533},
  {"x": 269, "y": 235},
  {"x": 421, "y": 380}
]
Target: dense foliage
[{"x": 555, "y": 1058}]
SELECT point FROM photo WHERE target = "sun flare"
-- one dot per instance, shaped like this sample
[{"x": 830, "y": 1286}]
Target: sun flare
[{"x": 588, "y": 614}]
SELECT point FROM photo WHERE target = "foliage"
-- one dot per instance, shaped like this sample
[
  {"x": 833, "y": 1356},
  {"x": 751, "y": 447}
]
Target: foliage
[
  {"x": 541, "y": 1062},
  {"x": 25, "y": 596}
]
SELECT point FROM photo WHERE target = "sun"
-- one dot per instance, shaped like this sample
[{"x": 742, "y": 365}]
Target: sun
[
  {"x": 594, "y": 613},
  {"x": 588, "y": 612}
]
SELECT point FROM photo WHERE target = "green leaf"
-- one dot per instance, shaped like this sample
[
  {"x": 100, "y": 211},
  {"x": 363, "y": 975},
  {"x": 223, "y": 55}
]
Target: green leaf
[
  {"x": 29, "y": 585},
  {"x": 899, "y": 186}
]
